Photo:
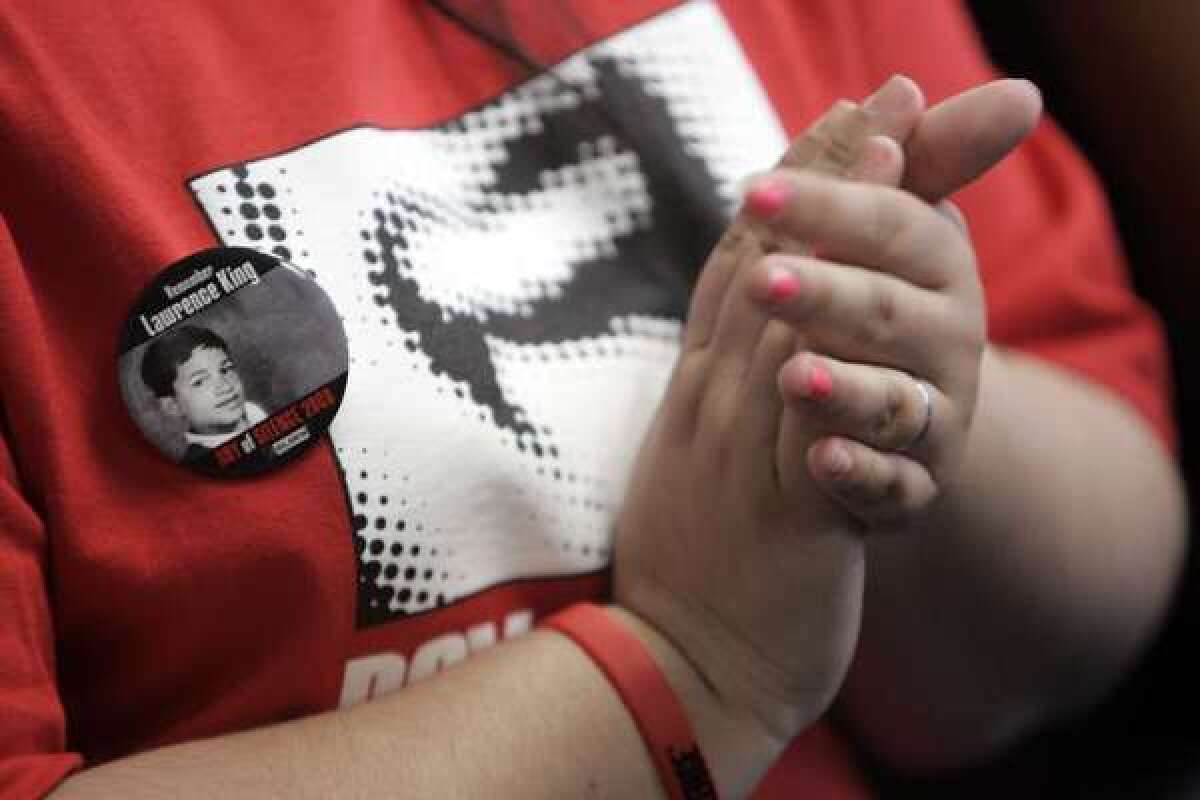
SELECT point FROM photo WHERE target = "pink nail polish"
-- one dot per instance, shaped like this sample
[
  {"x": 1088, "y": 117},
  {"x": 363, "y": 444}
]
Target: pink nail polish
[
  {"x": 820, "y": 382},
  {"x": 768, "y": 199},
  {"x": 782, "y": 286}
]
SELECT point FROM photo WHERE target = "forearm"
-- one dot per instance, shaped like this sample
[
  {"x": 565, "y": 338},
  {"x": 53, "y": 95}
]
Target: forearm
[
  {"x": 532, "y": 718},
  {"x": 1035, "y": 583}
]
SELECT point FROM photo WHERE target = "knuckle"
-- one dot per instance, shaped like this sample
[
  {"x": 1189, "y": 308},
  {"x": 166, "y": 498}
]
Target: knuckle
[
  {"x": 878, "y": 325},
  {"x": 889, "y": 416}
]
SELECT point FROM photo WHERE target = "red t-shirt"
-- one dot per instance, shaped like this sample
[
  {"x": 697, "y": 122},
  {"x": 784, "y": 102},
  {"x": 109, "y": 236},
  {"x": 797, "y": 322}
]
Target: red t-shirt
[{"x": 499, "y": 261}]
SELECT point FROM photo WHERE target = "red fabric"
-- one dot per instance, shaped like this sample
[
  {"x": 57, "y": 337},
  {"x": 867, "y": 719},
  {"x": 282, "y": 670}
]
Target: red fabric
[
  {"x": 32, "y": 738},
  {"x": 128, "y": 622}
]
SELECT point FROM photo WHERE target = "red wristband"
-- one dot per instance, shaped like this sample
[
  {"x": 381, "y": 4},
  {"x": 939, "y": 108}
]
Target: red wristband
[{"x": 660, "y": 718}]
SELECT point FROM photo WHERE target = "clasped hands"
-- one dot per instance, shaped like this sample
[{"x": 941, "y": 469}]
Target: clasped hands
[{"x": 825, "y": 389}]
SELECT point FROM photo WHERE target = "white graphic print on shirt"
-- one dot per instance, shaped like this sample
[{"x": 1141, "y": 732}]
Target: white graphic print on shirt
[{"x": 512, "y": 284}]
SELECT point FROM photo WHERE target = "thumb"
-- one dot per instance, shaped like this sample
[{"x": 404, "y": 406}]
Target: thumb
[
  {"x": 895, "y": 108},
  {"x": 962, "y": 137}
]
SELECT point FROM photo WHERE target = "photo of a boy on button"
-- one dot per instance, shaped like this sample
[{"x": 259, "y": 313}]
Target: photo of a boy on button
[{"x": 195, "y": 379}]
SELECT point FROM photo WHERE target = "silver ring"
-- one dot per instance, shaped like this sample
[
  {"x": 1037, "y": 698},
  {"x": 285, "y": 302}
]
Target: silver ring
[{"x": 927, "y": 423}]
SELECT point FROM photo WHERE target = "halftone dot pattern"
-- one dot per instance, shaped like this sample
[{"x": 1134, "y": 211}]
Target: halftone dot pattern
[
  {"x": 512, "y": 288},
  {"x": 253, "y": 214},
  {"x": 687, "y": 76}
]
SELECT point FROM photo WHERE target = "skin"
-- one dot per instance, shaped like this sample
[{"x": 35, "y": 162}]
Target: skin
[
  {"x": 208, "y": 393},
  {"x": 894, "y": 298},
  {"x": 742, "y": 574}
]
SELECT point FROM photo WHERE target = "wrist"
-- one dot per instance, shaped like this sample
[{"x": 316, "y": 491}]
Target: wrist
[{"x": 737, "y": 746}]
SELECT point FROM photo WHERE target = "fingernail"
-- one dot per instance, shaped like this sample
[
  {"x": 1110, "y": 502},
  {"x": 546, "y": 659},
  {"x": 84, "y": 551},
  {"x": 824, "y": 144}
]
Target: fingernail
[
  {"x": 892, "y": 96},
  {"x": 837, "y": 460},
  {"x": 768, "y": 199},
  {"x": 820, "y": 382},
  {"x": 1032, "y": 88},
  {"x": 781, "y": 285}
]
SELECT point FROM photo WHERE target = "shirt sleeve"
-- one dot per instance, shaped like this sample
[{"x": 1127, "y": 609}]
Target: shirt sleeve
[
  {"x": 33, "y": 756},
  {"x": 1057, "y": 280},
  {"x": 1055, "y": 276}
]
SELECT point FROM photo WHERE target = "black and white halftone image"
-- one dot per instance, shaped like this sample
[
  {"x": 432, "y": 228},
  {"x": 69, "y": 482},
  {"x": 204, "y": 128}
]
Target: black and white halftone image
[
  {"x": 512, "y": 278},
  {"x": 233, "y": 363}
]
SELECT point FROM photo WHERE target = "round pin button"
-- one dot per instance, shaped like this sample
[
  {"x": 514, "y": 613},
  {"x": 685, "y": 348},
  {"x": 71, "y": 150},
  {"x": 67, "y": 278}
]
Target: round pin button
[{"x": 233, "y": 363}]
